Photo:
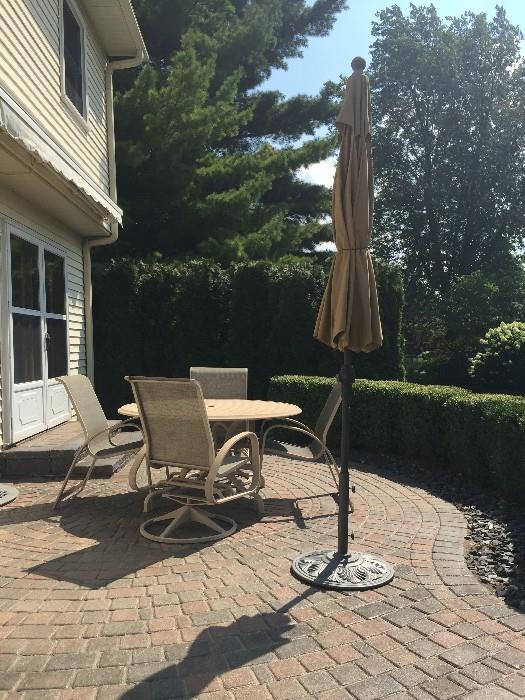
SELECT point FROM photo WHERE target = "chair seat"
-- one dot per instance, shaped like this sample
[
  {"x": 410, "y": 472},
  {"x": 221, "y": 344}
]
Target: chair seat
[
  {"x": 125, "y": 441},
  {"x": 287, "y": 449},
  {"x": 231, "y": 463}
]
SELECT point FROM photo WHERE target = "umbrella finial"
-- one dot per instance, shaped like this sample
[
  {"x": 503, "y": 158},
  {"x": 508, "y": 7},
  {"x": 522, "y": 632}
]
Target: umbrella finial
[{"x": 358, "y": 64}]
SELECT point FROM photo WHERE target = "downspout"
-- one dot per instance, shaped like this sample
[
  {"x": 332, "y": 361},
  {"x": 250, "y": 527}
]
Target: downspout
[{"x": 90, "y": 243}]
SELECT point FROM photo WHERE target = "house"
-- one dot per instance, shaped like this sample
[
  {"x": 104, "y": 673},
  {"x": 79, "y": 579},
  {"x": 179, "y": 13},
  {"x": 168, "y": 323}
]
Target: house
[{"x": 57, "y": 193}]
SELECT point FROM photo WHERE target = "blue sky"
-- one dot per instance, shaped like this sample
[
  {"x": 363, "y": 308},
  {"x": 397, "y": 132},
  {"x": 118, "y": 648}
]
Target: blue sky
[{"x": 328, "y": 57}]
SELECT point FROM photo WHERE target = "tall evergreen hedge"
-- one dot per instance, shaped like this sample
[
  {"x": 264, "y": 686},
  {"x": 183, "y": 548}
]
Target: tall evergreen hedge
[{"x": 159, "y": 318}]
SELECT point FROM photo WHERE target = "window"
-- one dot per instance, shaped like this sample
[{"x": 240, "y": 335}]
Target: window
[{"x": 73, "y": 58}]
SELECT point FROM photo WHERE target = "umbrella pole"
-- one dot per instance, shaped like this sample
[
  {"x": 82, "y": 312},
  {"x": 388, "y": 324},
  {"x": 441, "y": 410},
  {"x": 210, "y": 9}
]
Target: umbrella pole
[
  {"x": 347, "y": 377},
  {"x": 340, "y": 569}
]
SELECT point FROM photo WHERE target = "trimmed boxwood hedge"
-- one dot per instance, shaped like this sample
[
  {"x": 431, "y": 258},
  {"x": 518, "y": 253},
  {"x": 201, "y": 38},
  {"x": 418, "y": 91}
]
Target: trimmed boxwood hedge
[{"x": 480, "y": 436}]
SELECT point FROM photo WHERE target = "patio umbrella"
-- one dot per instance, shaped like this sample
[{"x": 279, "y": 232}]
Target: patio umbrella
[{"x": 348, "y": 320}]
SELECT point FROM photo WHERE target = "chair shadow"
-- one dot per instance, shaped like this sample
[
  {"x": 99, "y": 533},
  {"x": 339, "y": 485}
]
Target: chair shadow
[
  {"x": 192, "y": 668},
  {"x": 112, "y": 521}
]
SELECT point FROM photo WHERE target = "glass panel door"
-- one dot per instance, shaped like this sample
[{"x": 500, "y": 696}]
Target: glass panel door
[
  {"x": 56, "y": 340},
  {"x": 25, "y": 278},
  {"x": 27, "y": 348},
  {"x": 27, "y": 327},
  {"x": 39, "y": 337}
]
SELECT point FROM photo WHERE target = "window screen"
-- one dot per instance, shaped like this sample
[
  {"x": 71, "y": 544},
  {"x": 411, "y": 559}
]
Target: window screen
[{"x": 73, "y": 73}]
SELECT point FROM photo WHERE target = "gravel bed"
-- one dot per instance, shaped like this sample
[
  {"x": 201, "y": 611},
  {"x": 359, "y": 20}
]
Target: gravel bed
[{"x": 496, "y": 539}]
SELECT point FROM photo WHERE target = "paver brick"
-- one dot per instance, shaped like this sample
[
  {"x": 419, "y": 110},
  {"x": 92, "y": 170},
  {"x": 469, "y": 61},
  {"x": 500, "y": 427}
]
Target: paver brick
[
  {"x": 345, "y": 674},
  {"x": 511, "y": 657},
  {"x": 287, "y": 690},
  {"x": 443, "y": 688},
  {"x": 490, "y": 693},
  {"x": 71, "y": 661},
  {"x": 463, "y": 654},
  {"x": 167, "y": 621},
  {"x": 514, "y": 683},
  {"x": 375, "y": 688},
  {"x": 45, "y": 680}
]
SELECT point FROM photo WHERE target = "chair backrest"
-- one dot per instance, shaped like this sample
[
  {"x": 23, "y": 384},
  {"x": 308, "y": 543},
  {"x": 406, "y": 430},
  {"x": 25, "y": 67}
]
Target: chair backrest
[
  {"x": 174, "y": 421},
  {"x": 222, "y": 382},
  {"x": 328, "y": 412},
  {"x": 87, "y": 406}
]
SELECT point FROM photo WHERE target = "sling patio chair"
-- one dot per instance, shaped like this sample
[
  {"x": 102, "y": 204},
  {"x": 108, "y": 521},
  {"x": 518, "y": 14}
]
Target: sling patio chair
[
  {"x": 223, "y": 383},
  {"x": 103, "y": 439},
  {"x": 315, "y": 448},
  {"x": 178, "y": 438}
]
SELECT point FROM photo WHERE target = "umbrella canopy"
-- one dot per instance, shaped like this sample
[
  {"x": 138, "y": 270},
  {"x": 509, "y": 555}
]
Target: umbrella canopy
[{"x": 348, "y": 317}]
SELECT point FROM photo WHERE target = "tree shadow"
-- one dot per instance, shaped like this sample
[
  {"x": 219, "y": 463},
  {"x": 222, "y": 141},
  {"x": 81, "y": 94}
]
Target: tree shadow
[{"x": 191, "y": 669}]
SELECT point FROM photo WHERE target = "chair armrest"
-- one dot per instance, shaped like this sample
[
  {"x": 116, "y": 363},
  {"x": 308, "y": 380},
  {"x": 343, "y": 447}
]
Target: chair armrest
[
  {"x": 288, "y": 421},
  {"x": 131, "y": 422},
  {"x": 109, "y": 431},
  {"x": 255, "y": 461},
  {"x": 296, "y": 429}
]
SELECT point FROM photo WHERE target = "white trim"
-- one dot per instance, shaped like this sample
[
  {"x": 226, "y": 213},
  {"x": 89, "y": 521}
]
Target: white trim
[
  {"x": 5, "y": 366},
  {"x": 33, "y": 125},
  {"x": 81, "y": 117}
]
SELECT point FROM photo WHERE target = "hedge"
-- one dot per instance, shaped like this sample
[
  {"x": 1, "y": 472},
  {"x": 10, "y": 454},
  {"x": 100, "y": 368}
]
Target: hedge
[
  {"x": 159, "y": 318},
  {"x": 480, "y": 436}
]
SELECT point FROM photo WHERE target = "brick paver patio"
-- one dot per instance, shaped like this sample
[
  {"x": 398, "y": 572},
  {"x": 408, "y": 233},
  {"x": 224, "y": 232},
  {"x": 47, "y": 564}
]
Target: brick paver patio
[{"x": 89, "y": 609}]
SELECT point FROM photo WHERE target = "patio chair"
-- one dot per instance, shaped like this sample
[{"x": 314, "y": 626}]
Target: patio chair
[
  {"x": 177, "y": 437},
  {"x": 223, "y": 383},
  {"x": 102, "y": 438},
  {"x": 316, "y": 448}
]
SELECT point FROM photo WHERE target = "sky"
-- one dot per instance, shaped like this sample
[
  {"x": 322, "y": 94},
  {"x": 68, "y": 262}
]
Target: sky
[{"x": 328, "y": 57}]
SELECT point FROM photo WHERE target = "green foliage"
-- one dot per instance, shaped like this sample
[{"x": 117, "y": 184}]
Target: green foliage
[
  {"x": 473, "y": 304},
  {"x": 500, "y": 365},
  {"x": 206, "y": 158},
  {"x": 449, "y": 158},
  {"x": 166, "y": 316},
  {"x": 251, "y": 323},
  {"x": 449, "y": 119},
  {"x": 480, "y": 436}
]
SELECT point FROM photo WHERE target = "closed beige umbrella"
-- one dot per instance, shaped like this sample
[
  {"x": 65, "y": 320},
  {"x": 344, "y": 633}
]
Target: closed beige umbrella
[
  {"x": 348, "y": 317},
  {"x": 348, "y": 320}
]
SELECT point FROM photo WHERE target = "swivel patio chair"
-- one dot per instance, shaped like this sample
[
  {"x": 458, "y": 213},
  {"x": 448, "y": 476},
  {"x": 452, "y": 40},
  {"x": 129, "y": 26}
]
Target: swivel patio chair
[
  {"x": 102, "y": 438},
  {"x": 178, "y": 438},
  {"x": 316, "y": 448},
  {"x": 223, "y": 383}
]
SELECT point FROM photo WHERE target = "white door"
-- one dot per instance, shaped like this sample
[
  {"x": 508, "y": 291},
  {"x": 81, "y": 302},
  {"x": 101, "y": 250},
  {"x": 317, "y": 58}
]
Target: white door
[{"x": 38, "y": 332}]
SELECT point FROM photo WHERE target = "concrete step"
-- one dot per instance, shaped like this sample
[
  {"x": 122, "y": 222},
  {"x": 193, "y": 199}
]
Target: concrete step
[{"x": 49, "y": 454}]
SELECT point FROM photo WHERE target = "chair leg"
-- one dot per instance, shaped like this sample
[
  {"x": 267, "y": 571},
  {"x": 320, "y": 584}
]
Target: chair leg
[
  {"x": 75, "y": 490},
  {"x": 186, "y": 514},
  {"x": 259, "y": 503}
]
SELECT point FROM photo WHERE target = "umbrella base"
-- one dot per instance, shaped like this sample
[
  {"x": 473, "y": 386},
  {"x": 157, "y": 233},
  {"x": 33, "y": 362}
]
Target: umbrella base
[{"x": 356, "y": 571}]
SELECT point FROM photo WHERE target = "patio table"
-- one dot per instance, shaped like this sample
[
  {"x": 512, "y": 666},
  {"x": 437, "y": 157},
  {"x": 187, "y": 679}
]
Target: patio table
[
  {"x": 220, "y": 410},
  {"x": 234, "y": 409}
]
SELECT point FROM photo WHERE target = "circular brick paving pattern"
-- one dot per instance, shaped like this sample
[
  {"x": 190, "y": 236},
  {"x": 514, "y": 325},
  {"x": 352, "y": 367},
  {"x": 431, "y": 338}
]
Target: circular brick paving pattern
[{"x": 89, "y": 609}]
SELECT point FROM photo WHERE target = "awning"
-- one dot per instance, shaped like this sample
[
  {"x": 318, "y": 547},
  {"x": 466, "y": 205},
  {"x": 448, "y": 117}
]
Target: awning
[{"x": 38, "y": 169}]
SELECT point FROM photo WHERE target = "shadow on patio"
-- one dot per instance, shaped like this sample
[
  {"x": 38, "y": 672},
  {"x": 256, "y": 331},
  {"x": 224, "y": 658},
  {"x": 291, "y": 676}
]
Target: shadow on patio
[
  {"x": 119, "y": 550},
  {"x": 227, "y": 651}
]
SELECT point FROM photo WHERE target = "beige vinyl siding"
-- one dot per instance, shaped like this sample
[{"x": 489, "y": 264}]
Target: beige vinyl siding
[
  {"x": 2, "y": 322},
  {"x": 30, "y": 73},
  {"x": 15, "y": 210}
]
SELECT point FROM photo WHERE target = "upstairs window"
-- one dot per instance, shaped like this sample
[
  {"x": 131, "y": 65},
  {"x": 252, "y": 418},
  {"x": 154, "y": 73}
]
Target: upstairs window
[{"x": 73, "y": 47}]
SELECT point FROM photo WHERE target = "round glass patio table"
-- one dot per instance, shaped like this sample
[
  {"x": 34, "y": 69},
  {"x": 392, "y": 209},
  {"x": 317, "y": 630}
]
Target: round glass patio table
[{"x": 234, "y": 409}]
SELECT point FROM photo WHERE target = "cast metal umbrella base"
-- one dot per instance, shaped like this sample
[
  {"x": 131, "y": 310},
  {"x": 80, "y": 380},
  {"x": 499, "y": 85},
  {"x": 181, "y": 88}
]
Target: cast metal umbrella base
[{"x": 356, "y": 571}]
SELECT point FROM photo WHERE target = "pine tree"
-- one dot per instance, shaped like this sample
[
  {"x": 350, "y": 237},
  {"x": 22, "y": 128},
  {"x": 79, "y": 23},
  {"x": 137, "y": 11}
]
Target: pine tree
[{"x": 207, "y": 158}]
